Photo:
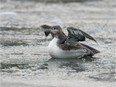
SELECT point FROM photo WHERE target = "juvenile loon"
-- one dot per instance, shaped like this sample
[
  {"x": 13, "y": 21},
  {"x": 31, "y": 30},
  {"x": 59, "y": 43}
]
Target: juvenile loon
[{"x": 68, "y": 46}]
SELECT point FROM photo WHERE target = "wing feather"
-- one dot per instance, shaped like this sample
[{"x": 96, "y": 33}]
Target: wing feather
[{"x": 78, "y": 35}]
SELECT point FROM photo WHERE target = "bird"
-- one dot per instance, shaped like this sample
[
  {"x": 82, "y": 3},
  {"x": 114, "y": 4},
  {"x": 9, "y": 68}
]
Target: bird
[{"x": 68, "y": 46}]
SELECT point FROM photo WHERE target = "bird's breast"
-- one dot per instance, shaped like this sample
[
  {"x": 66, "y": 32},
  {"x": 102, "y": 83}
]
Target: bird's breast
[{"x": 53, "y": 48}]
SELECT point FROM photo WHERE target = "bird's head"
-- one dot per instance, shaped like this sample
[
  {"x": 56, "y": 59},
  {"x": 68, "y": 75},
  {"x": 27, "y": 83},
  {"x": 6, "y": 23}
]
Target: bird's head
[{"x": 53, "y": 30}]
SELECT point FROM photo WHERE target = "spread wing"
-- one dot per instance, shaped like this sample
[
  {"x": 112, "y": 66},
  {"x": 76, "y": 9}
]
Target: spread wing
[{"x": 78, "y": 35}]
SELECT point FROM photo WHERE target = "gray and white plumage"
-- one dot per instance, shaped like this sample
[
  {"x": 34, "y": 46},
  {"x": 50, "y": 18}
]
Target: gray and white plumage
[{"x": 62, "y": 46}]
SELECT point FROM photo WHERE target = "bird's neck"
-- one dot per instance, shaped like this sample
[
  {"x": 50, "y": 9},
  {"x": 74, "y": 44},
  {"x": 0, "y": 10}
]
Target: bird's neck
[{"x": 61, "y": 37}]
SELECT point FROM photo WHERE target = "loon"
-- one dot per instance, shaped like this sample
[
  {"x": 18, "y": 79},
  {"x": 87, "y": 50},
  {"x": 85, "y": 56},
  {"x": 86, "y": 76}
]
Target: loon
[{"x": 68, "y": 46}]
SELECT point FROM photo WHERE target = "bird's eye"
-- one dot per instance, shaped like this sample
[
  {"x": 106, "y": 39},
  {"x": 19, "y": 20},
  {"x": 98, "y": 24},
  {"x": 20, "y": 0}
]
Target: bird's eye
[{"x": 54, "y": 28}]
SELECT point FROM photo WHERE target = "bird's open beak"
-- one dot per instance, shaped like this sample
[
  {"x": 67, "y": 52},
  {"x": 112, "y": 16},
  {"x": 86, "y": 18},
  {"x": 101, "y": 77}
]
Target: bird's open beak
[
  {"x": 47, "y": 33},
  {"x": 46, "y": 29}
]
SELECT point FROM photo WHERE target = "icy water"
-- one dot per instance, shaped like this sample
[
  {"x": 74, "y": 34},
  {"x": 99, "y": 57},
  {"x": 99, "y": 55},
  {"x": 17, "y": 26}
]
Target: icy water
[{"x": 24, "y": 60}]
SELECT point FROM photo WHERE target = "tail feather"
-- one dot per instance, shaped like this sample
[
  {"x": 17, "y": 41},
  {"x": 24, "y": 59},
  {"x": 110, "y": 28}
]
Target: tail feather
[{"x": 92, "y": 50}]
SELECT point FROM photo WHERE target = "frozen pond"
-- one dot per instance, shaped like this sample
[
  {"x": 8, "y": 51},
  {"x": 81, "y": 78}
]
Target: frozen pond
[{"x": 24, "y": 60}]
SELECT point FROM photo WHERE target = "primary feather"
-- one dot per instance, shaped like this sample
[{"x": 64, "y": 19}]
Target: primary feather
[{"x": 78, "y": 35}]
